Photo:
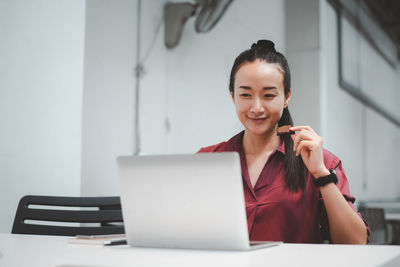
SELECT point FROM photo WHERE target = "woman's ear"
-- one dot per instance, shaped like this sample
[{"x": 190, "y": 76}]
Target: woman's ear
[{"x": 287, "y": 99}]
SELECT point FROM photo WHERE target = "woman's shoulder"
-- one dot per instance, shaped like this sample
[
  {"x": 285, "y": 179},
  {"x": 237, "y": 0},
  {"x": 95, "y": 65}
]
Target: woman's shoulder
[
  {"x": 233, "y": 144},
  {"x": 213, "y": 148},
  {"x": 330, "y": 159}
]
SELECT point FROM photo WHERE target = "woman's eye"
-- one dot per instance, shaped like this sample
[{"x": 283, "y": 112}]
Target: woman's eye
[
  {"x": 244, "y": 95},
  {"x": 269, "y": 95}
]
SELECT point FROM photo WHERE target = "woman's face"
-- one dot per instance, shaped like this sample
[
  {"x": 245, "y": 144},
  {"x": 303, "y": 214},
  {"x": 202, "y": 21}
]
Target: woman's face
[{"x": 259, "y": 96}]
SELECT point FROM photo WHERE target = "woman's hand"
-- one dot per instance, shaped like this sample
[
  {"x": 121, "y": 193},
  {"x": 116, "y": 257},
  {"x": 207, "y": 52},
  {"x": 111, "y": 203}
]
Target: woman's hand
[
  {"x": 308, "y": 144},
  {"x": 345, "y": 226}
]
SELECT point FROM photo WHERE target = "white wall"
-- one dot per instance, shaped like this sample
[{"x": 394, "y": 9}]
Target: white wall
[
  {"x": 187, "y": 86},
  {"x": 199, "y": 104},
  {"x": 303, "y": 54},
  {"x": 108, "y": 98},
  {"x": 41, "y": 71}
]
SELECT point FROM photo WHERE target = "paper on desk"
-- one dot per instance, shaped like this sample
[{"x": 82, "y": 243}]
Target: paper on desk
[{"x": 93, "y": 239}]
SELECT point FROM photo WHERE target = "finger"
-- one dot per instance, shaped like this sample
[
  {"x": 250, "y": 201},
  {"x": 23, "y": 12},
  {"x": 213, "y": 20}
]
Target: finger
[
  {"x": 301, "y": 127},
  {"x": 297, "y": 128},
  {"x": 299, "y": 137},
  {"x": 293, "y": 136},
  {"x": 308, "y": 134},
  {"x": 302, "y": 135},
  {"x": 304, "y": 145},
  {"x": 312, "y": 136},
  {"x": 311, "y": 130},
  {"x": 296, "y": 141}
]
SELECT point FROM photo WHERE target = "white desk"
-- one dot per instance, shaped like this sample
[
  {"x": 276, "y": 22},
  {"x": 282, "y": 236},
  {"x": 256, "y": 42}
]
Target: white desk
[{"x": 43, "y": 251}]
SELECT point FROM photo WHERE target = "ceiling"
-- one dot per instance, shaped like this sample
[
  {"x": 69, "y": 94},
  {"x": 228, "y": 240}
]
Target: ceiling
[{"x": 387, "y": 14}]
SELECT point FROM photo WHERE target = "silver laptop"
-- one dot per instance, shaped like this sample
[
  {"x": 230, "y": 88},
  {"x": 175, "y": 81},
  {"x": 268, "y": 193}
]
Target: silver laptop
[{"x": 185, "y": 201}]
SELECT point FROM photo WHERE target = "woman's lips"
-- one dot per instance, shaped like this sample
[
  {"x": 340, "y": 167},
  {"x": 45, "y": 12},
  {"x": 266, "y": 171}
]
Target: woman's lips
[{"x": 257, "y": 120}]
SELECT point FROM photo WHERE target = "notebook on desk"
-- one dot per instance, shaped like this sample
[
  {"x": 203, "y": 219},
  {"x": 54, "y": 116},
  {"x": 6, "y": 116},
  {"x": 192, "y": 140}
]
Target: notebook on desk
[{"x": 185, "y": 201}]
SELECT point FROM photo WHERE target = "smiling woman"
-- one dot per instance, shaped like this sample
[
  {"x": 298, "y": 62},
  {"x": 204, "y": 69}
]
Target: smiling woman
[
  {"x": 259, "y": 99},
  {"x": 295, "y": 190}
]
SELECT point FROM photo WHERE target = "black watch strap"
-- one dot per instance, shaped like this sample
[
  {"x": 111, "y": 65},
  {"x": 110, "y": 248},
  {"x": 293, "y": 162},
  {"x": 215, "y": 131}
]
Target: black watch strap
[{"x": 331, "y": 178}]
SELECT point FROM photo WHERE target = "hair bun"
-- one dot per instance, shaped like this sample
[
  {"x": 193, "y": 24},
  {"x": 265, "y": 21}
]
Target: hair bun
[{"x": 264, "y": 44}]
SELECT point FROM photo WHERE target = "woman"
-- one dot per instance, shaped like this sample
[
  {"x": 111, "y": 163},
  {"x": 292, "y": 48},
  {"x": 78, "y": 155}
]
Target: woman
[{"x": 289, "y": 180}]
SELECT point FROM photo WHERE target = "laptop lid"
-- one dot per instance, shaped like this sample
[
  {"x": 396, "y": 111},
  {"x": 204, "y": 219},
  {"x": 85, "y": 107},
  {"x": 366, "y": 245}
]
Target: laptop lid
[{"x": 184, "y": 201}]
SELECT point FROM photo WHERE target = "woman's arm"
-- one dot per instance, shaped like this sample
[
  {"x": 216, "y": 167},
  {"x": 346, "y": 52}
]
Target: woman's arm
[{"x": 346, "y": 227}]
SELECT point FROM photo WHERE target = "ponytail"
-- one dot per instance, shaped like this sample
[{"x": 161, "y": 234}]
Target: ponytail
[{"x": 295, "y": 170}]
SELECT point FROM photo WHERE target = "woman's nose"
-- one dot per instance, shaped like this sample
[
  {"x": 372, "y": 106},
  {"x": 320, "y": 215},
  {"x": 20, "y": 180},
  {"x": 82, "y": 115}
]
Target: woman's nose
[{"x": 257, "y": 106}]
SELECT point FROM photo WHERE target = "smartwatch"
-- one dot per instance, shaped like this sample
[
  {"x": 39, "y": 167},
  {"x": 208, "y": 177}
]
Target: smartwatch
[{"x": 324, "y": 180}]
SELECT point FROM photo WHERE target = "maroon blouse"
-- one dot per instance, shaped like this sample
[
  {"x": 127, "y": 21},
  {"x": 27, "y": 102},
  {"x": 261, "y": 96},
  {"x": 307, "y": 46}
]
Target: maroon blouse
[{"x": 276, "y": 214}]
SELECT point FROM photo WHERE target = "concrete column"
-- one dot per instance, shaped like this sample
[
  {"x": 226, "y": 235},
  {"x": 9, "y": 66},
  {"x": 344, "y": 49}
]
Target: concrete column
[{"x": 303, "y": 54}]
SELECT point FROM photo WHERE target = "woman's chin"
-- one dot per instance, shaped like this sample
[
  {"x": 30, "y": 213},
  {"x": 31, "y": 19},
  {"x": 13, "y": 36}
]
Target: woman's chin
[{"x": 258, "y": 130}]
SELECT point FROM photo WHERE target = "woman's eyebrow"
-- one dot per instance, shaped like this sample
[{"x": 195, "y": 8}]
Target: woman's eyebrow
[{"x": 264, "y": 88}]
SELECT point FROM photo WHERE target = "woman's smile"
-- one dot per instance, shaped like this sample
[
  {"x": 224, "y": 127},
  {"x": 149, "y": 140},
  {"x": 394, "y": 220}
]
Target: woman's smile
[{"x": 257, "y": 120}]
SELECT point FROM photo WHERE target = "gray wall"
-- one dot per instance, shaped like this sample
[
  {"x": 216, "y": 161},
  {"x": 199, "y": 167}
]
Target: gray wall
[{"x": 367, "y": 143}]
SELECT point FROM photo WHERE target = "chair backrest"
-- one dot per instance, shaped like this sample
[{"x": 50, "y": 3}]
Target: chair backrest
[
  {"x": 106, "y": 216},
  {"x": 375, "y": 218},
  {"x": 394, "y": 226}
]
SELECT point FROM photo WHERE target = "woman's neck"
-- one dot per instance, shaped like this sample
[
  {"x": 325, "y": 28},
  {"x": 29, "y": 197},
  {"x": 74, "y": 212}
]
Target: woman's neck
[{"x": 258, "y": 144}]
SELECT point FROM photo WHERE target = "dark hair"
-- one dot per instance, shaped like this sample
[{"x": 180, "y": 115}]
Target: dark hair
[{"x": 264, "y": 50}]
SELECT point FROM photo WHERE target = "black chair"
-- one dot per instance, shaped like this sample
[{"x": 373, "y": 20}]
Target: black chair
[
  {"x": 107, "y": 216},
  {"x": 375, "y": 218},
  {"x": 394, "y": 226}
]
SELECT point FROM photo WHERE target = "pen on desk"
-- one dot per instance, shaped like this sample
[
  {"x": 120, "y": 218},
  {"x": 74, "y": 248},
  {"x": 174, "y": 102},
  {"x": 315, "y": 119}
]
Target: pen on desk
[
  {"x": 115, "y": 242},
  {"x": 100, "y": 236}
]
